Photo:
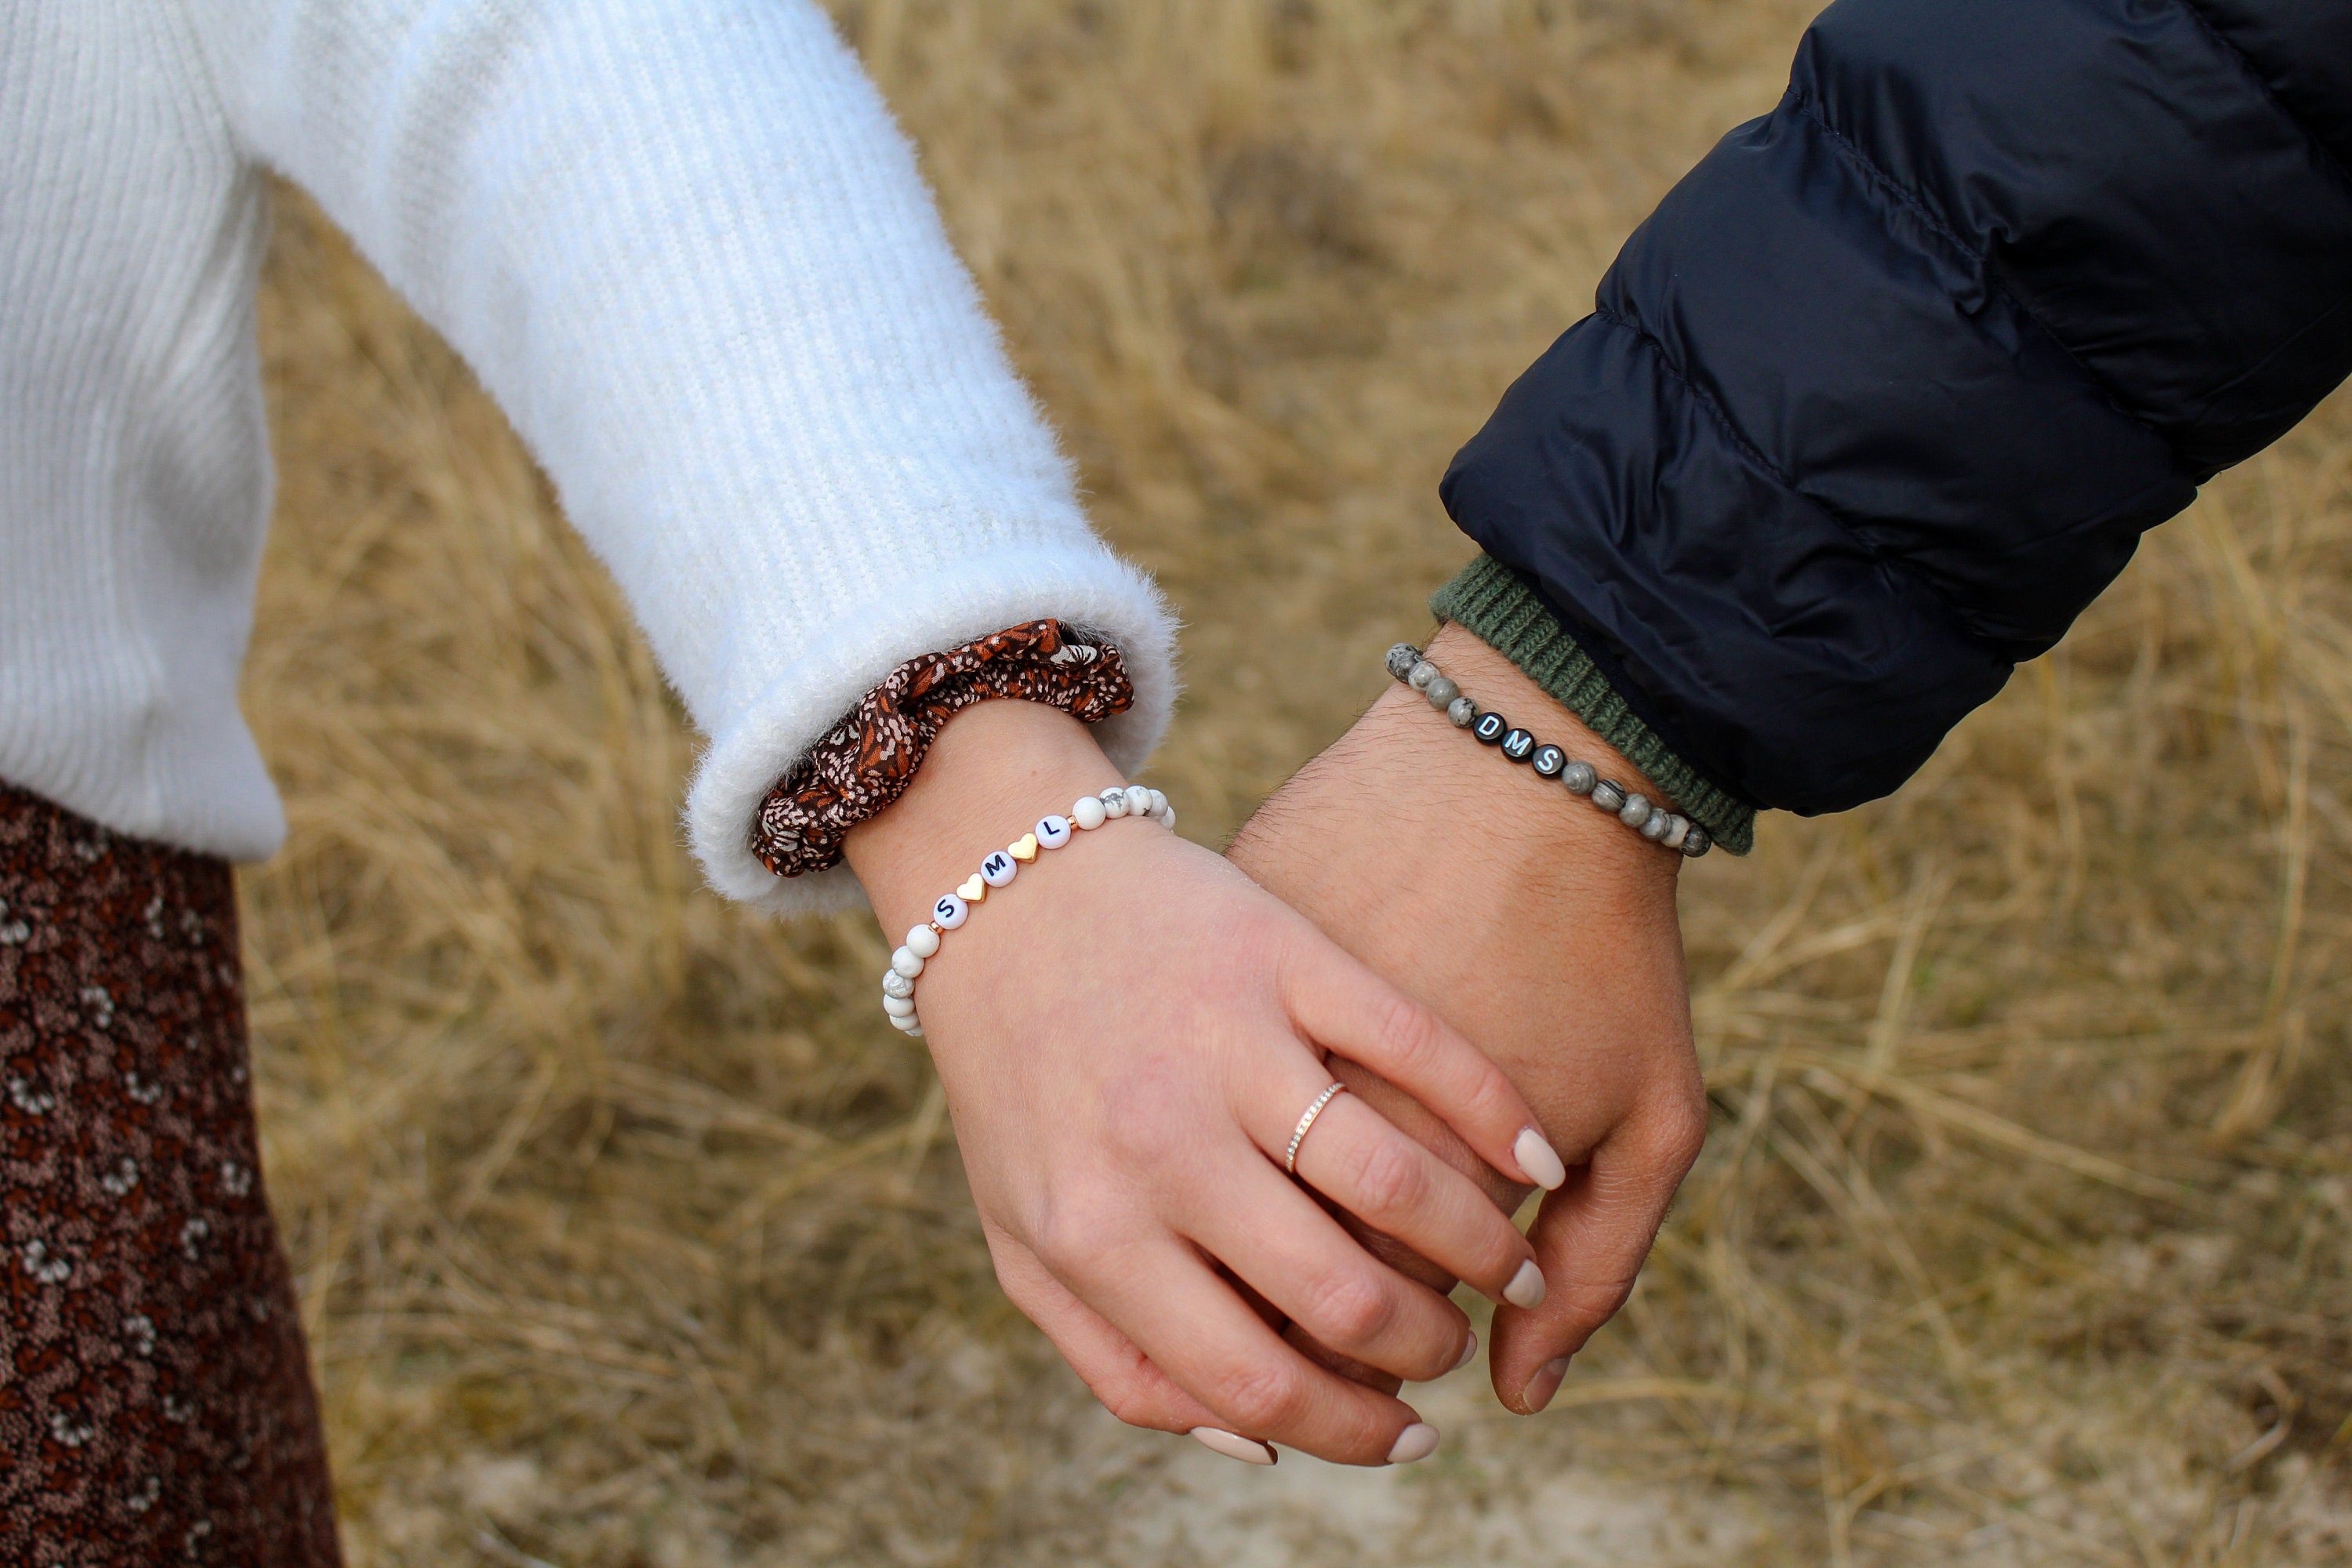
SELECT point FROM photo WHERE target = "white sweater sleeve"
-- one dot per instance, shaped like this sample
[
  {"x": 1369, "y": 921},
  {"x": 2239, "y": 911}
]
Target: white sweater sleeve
[{"x": 686, "y": 248}]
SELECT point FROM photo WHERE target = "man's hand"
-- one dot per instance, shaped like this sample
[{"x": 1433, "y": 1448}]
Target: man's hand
[{"x": 1540, "y": 929}]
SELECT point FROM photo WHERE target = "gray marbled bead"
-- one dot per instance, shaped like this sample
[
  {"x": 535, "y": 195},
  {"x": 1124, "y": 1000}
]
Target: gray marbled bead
[
  {"x": 1677, "y": 829},
  {"x": 1461, "y": 712},
  {"x": 1635, "y": 811},
  {"x": 1421, "y": 675},
  {"x": 896, "y": 984},
  {"x": 1402, "y": 658},
  {"x": 1608, "y": 795},
  {"x": 1579, "y": 778},
  {"x": 1659, "y": 822},
  {"x": 1441, "y": 693},
  {"x": 1697, "y": 842}
]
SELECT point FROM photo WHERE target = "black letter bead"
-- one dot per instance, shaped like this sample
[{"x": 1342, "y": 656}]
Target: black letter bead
[
  {"x": 1490, "y": 727},
  {"x": 1518, "y": 745},
  {"x": 1548, "y": 761}
]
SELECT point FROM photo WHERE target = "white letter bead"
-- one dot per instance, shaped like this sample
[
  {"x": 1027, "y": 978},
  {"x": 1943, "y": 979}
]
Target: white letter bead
[
  {"x": 1088, "y": 813},
  {"x": 1052, "y": 832},
  {"x": 899, "y": 1006},
  {"x": 999, "y": 869},
  {"x": 922, "y": 942},
  {"x": 951, "y": 912},
  {"x": 905, "y": 961},
  {"x": 1114, "y": 803}
]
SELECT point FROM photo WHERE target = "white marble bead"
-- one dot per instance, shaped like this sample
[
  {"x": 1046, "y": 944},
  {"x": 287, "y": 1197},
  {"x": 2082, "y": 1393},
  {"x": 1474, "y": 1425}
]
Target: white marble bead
[
  {"x": 1052, "y": 832},
  {"x": 909, "y": 1025},
  {"x": 923, "y": 940},
  {"x": 950, "y": 912},
  {"x": 899, "y": 1006},
  {"x": 998, "y": 869},
  {"x": 1114, "y": 802},
  {"x": 1167, "y": 819},
  {"x": 896, "y": 984},
  {"x": 1139, "y": 800},
  {"x": 1159, "y": 804},
  {"x": 905, "y": 961},
  {"x": 914, "y": 1029},
  {"x": 1090, "y": 813},
  {"x": 1677, "y": 831}
]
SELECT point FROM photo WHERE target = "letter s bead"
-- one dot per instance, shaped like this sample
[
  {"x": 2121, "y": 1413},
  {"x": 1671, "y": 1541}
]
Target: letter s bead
[{"x": 951, "y": 912}]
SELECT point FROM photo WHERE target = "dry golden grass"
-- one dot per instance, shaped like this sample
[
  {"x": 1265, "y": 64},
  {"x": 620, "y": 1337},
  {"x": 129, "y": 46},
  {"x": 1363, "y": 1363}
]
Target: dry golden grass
[{"x": 629, "y": 1237}]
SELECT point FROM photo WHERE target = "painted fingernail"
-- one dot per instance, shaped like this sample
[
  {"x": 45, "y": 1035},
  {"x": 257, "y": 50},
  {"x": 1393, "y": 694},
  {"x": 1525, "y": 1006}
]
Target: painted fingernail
[
  {"x": 1538, "y": 1160},
  {"x": 1526, "y": 1287},
  {"x": 1234, "y": 1445},
  {"x": 1469, "y": 1352},
  {"x": 1418, "y": 1441},
  {"x": 1543, "y": 1385}
]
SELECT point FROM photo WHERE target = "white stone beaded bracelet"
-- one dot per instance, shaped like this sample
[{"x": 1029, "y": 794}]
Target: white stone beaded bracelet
[
  {"x": 1653, "y": 822},
  {"x": 1087, "y": 812}
]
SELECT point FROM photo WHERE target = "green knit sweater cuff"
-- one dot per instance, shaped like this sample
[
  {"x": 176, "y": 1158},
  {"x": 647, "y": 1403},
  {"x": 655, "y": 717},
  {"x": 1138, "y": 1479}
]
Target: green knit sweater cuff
[{"x": 1501, "y": 608}]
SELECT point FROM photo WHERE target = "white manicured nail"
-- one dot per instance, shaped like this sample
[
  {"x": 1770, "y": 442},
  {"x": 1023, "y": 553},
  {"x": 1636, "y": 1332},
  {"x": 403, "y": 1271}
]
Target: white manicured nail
[
  {"x": 1526, "y": 1287},
  {"x": 1539, "y": 1161},
  {"x": 1418, "y": 1441},
  {"x": 1469, "y": 1352},
  {"x": 1234, "y": 1445}
]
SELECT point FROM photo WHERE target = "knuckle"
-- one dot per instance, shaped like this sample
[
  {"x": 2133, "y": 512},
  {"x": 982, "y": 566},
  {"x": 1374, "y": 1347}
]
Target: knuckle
[
  {"x": 1410, "y": 1034},
  {"x": 1262, "y": 1397},
  {"x": 1388, "y": 1181},
  {"x": 1348, "y": 1308},
  {"x": 1142, "y": 1124},
  {"x": 1073, "y": 1231},
  {"x": 1683, "y": 1129}
]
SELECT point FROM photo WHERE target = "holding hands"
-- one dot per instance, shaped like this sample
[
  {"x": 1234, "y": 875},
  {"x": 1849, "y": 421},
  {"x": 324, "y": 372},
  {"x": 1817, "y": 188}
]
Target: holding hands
[{"x": 1128, "y": 1045}]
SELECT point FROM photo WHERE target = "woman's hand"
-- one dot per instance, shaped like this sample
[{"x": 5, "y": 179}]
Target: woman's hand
[
  {"x": 1542, "y": 930},
  {"x": 1127, "y": 1034}
]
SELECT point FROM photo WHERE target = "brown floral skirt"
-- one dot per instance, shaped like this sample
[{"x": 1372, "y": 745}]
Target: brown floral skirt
[{"x": 155, "y": 1405}]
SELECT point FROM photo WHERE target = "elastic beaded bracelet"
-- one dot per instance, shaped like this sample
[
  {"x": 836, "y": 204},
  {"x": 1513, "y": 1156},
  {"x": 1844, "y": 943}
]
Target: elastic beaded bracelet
[
  {"x": 1653, "y": 822},
  {"x": 1087, "y": 812}
]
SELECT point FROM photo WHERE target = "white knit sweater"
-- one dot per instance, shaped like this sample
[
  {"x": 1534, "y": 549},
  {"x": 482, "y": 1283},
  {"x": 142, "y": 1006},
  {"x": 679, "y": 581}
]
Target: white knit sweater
[{"x": 680, "y": 241}]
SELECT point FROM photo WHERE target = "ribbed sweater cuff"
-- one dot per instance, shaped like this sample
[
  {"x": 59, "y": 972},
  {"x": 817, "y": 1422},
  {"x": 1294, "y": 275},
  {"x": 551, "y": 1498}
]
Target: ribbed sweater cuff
[{"x": 1502, "y": 610}]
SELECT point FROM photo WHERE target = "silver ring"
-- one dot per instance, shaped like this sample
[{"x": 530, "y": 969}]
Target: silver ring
[{"x": 1290, "y": 1156}]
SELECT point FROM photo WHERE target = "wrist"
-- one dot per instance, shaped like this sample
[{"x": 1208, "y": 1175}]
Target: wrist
[{"x": 995, "y": 768}]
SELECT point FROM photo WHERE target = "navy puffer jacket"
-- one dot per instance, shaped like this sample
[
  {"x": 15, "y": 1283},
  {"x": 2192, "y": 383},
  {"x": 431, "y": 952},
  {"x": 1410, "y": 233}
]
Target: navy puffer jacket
[{"x": 1886, "y": 390}]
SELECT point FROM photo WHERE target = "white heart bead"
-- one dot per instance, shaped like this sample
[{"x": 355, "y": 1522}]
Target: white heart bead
[
  {"x": 951, "y": 912},
  {"x": 905, "y": 961},
  {"x": 998, "y": 869},
  {"x": 1088, "y": 813},
  {"x": 1052, "y": 832},
  {"x": 899, "y": 1006},
  {"x": 923, "y": 940}
]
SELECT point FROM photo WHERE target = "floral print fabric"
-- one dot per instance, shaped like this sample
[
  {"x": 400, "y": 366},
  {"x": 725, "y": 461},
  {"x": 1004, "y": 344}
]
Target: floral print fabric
[
  {"x": 155, "y": 1405},
  {"x": 864, "y": 763}
]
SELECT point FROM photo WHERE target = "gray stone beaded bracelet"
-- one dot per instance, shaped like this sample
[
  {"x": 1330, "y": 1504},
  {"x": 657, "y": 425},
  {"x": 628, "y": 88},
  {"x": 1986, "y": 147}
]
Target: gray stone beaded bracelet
[{"x": 1653, "y": 822}]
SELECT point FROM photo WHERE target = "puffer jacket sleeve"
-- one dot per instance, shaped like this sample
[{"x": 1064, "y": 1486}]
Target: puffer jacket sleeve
[{"x": 1887, "y": 389}]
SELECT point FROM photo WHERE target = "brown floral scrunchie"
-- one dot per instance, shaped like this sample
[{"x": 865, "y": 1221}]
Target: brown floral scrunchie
[{"x": 864, "y": 763}]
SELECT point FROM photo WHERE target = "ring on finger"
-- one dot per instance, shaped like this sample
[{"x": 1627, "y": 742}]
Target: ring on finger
[{"x": 1298, "y": 1134}]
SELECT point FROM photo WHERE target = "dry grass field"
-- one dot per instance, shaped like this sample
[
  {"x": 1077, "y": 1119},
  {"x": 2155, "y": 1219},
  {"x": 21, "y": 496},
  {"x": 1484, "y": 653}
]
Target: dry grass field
[{"x": 629, "y": 1239}]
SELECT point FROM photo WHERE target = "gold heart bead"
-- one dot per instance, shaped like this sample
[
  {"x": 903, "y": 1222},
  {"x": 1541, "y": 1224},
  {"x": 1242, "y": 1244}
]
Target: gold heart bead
[
  {"x": 974, "y": 892},
  {"x": 1025, "y": 849}
]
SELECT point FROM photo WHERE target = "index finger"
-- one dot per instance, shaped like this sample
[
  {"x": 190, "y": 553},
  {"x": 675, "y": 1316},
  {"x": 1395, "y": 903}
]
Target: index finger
[{"x": 1347, "y": 1009}]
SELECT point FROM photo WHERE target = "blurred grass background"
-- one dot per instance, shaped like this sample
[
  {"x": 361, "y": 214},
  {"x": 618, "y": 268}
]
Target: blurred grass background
[{"x": 628, "y": 1237}]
